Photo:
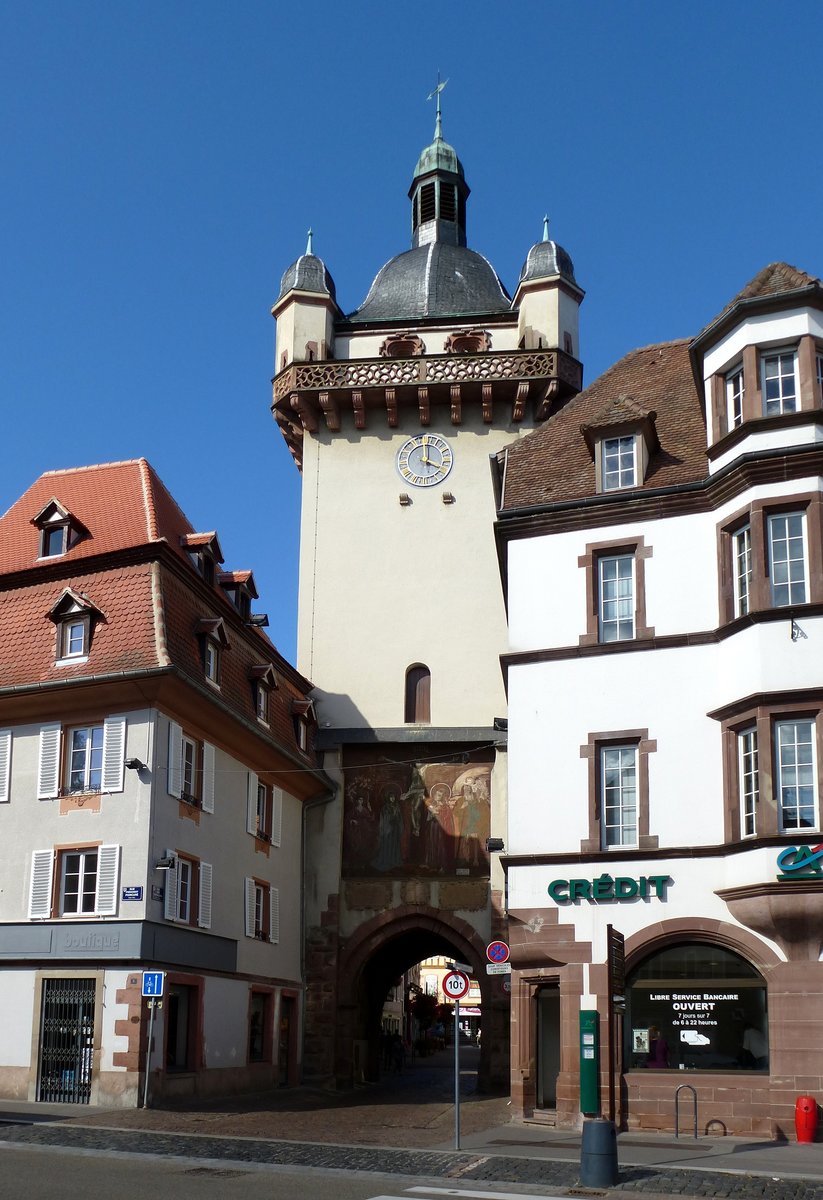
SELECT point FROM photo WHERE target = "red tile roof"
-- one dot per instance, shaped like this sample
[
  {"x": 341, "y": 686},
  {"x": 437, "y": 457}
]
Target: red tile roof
[
  {"x": 554, "y": 464},
  {"x": 774, "y": 280},
  {"x": 121, "y": 504}
]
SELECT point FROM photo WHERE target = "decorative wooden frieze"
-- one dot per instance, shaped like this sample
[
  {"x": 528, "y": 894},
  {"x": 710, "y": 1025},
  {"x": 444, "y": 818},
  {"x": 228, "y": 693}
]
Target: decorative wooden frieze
[
  {"x": 455, "y": 400},
  {"x": 359, "y": 410},
  {"x": 519, "y": 406},
  {"x": 488, "y": 409},
  {"x": 331, "y": 410},
  {"x": 391, "y": 407},
  {"x": 423, "y": 405}
]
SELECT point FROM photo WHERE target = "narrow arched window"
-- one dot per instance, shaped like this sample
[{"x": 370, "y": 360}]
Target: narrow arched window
[{"x": 418, "y": 694}]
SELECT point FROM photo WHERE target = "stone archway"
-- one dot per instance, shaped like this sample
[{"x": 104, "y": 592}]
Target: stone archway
[{"x": 383, "y": 948}]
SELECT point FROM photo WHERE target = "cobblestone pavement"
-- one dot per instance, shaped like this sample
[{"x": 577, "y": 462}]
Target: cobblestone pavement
[{"x": 398, "y": 1127}]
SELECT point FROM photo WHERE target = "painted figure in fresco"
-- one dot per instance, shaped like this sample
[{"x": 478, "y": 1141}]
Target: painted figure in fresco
[
  {"x": 389, "y": 832},
  {"x": 438, "y": 828},
  {"x": 361, "y": 829},
  {"x": 470, "y": 817},
  {"x": 416, "y": 795}
]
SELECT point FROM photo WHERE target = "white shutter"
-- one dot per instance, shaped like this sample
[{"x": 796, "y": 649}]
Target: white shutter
[
  {"x": 204, "y": 897},
  {"x": 5, "y": 764},
  {"x": 274, "y": 915},
  {"x": 207, "y": 797},
  {"x": 250, "y": 885},
  {"x": 276, "y": 815},
  {"x": 108, "y": 870},
  {"x": 170, "y": 898},
  {"x": 114, "y": 753},
  {"x": 175, "y": 773},
  {"x": 48, "y": 767},
  {"x": 251, "y": 804},
  {"x": 42, "y": 873}
]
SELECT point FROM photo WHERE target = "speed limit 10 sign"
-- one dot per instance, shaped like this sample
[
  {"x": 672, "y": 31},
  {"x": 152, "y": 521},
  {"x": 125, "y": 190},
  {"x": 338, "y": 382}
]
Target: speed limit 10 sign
[{"x": 455, "y": 984}]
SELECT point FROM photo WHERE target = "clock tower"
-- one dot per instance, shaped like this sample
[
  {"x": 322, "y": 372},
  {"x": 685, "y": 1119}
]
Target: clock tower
[{"x": 392, "y": 413}]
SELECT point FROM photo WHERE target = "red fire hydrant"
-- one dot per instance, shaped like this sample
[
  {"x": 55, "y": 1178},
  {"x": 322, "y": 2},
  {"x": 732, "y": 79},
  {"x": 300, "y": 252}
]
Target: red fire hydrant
[{"x": 805, "y": 1118}]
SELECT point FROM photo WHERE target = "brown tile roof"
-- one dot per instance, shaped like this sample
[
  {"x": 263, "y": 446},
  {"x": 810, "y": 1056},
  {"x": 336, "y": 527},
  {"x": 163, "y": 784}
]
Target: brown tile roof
[
  {"x": 774, "y": 280},
  {"x": 121, "y": 505},
  {"x": 123, "y": 639},
  {"x": 554, "y": 464}
]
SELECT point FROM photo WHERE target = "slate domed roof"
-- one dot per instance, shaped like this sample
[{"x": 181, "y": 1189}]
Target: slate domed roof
[
  {"x": 434, "y": 280},
  {"x": 308, "y": 274},
  {"x": 547, "y": 258}
]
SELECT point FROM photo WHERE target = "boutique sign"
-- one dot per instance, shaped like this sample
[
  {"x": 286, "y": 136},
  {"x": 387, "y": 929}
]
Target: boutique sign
[{"x": 608, "y": 889}]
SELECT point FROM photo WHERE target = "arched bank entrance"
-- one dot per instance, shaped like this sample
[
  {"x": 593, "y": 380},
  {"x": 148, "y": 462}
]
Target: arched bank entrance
[{"x": 372, "y": 962}]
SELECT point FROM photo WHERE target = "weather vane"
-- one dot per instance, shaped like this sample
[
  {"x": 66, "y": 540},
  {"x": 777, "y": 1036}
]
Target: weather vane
[{"x": 438, "y": 131}]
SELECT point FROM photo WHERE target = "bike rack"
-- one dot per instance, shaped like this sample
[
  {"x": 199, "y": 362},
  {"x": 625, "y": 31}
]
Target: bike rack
[{"x": 677, "y": 1092}]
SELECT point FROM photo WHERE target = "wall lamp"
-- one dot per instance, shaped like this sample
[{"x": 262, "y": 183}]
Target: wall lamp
[
  {"x": 494, "y": 845},
  {"x": 167, "y": 863},
  {"x": 134, "y": 764}
]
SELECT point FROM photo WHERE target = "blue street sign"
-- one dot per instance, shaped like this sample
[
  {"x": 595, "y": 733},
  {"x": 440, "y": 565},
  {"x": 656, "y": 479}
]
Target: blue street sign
[
  {"x": 131, "y": 893},
  {"x": 153, "y": 983}
]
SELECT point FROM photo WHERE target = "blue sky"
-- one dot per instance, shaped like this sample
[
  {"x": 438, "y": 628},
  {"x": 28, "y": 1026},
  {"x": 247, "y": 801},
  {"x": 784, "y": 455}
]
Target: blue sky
[{"x": 162, "y": 162}]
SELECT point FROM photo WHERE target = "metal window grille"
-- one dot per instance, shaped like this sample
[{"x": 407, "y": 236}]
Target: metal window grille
[{"x": 66, "y": 1041}]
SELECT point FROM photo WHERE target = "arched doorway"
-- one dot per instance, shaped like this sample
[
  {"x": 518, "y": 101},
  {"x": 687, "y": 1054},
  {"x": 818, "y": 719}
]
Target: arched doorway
[{"x": 377, "y": 956}]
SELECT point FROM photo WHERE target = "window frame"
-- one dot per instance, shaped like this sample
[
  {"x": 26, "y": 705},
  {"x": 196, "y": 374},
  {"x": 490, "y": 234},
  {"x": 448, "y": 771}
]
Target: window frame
[
  {"x": 777, "y": 355},
  {"x": 603, "y": 600},
  {"x": 757, "y": 516},
  {"x": 748, "y": 774},
  {"x": 262, "y": 697},
  {"x": 88, "y": 769},
  {"x": 636, "y": 548},
  {"x": 603, "y": 455},
  {"x": 195, "y": 910},
  {"x": 771, "y": 520},
  {"x": 735, "y": 396},
  {"x": 742, "y": 595},
  {"x": 780, "y": 786},
  {"x": 591, "y": 751},
  {"x": 211, "y": 661},
  {"x": 262, "y": 915},
  {"x": 626, "y": 796},
  {"x": 764, "y": 714},
  {"x": 47, "y": 896},
  {"x": 417, "y": 695}
]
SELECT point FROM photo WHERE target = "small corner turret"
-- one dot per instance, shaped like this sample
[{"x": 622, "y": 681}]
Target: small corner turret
[
  {"x": 548, "y": 299},
  {"x": 305, "y": 311}
]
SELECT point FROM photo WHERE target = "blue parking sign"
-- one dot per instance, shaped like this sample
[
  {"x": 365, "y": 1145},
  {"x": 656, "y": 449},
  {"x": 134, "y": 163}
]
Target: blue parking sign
[{"x": 153, "y": 983}]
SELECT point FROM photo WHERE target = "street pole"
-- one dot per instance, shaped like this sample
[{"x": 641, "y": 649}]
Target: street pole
[
  {"x": 152, "y": 1005},
  {"x": 457, "y": 1073}
]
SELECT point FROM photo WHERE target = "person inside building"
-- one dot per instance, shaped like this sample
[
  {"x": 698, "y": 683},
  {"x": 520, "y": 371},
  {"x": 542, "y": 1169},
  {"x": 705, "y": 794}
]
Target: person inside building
[{"x": 658, "y": 1050}]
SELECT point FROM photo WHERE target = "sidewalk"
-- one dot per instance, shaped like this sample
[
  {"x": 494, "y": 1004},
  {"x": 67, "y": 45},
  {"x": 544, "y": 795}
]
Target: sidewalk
[{"x": 405, "y": 1125}]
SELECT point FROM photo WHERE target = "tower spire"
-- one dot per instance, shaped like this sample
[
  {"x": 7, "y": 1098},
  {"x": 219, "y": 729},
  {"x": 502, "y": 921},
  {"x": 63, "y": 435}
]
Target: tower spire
[
  {"x": 435, "y": 95},
  {"x": 308, "y": 241}
]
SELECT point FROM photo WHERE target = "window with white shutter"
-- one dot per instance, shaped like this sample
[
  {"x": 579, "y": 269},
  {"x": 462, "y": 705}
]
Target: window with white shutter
[
  {"x": 207, "y": 798},
  {"x": 114, "y": 753},
  {"x": 108, "y": 870},
  {"x": 48, "y": 766},
  {"x": 175, "y": 771},
  {"x": 5, "y": 765},
  {"x": 250, "y": 899},
  {"x": 170, "y": 896},
  {"x": 274, "y": 915},
  {"x": 42, "y": 874},
  {"x": 276, "y": 815},
  {"x": 204, "y": 897},
  {"x": 251, "y": 803}
]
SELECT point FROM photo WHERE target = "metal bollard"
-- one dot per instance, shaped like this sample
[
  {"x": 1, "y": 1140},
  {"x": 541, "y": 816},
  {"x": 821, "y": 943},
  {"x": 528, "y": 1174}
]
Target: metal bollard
[{"x": 598, "y": 1153}]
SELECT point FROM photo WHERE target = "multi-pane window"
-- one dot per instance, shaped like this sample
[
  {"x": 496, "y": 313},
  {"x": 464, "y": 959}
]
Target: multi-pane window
[
  {"x": 619, "y": 463},
  {"x": 795, "y": 774},
  {"x": 261, "y": 906},
  {"x": 263, "y": 817},
  {"x": 185, "y": 876},
  {"x": 189, "y": 761},
  {"x": 742, "y": 549},
  {"x": 261, "y": 698},
  {"x": 749, "y": 781},
  {"x": 78, "y": 882},
  {"x": 618, "y": 795},
  {"x": 779, "y": 384},
  {"x": 734, "y": 397},
  {"x": 211, "y": 660},
  {"x": 85, "y": 759},
  {"x": 616, "y": 598},
  {"x": 819, "y": 363},
  {"x": 787, "y": 558}
]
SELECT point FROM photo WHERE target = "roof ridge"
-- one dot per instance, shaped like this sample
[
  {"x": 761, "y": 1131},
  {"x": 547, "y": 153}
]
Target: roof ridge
[
  {"x": 148, "y": 499},
  {"x": 124, "y": 462}
]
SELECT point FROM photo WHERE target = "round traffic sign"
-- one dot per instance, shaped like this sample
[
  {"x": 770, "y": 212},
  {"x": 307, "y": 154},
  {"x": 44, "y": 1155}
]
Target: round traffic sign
[
  {"x": 497, "y": 952},
  {"x": 455, "y": 984}
]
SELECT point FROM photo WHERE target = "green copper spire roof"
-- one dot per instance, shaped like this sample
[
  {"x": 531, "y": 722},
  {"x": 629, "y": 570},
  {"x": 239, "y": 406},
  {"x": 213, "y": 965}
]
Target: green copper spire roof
[{"x": 439, "y": 156}]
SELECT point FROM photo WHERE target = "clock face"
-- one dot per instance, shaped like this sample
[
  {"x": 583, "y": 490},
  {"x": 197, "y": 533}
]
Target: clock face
[{"x": 425, "y": 459}]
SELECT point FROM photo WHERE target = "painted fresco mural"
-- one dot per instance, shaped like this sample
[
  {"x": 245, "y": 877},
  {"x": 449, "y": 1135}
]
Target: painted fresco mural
[{"x": 417, "y": 818}]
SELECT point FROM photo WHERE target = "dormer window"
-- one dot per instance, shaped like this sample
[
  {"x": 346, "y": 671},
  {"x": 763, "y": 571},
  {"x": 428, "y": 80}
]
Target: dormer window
[
  {"x": 74, "y": 615},
  {"x": 779, "y": 376},
  {"x": 213, "y": 641},
  {"x": 59, "y": 530},
  {"x": 303, "y": 716},
  {"x": 203, "y": 550},
  {"x": 263, "y": 683},
  {"x": 239, "y": 589},
  {"x": 619, "y": 462}
]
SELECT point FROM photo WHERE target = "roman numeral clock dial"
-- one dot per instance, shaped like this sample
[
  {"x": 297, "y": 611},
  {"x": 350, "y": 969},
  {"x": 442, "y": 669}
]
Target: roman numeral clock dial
[{"x": 425, "y": 459}]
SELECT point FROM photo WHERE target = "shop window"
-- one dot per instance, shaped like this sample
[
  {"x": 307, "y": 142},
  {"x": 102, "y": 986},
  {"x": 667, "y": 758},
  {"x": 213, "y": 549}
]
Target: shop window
[
  {"x": 181, "y": 1005},
  {"x": 699, "y": 1007},
  {"x": 260, "y": 1026}
]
